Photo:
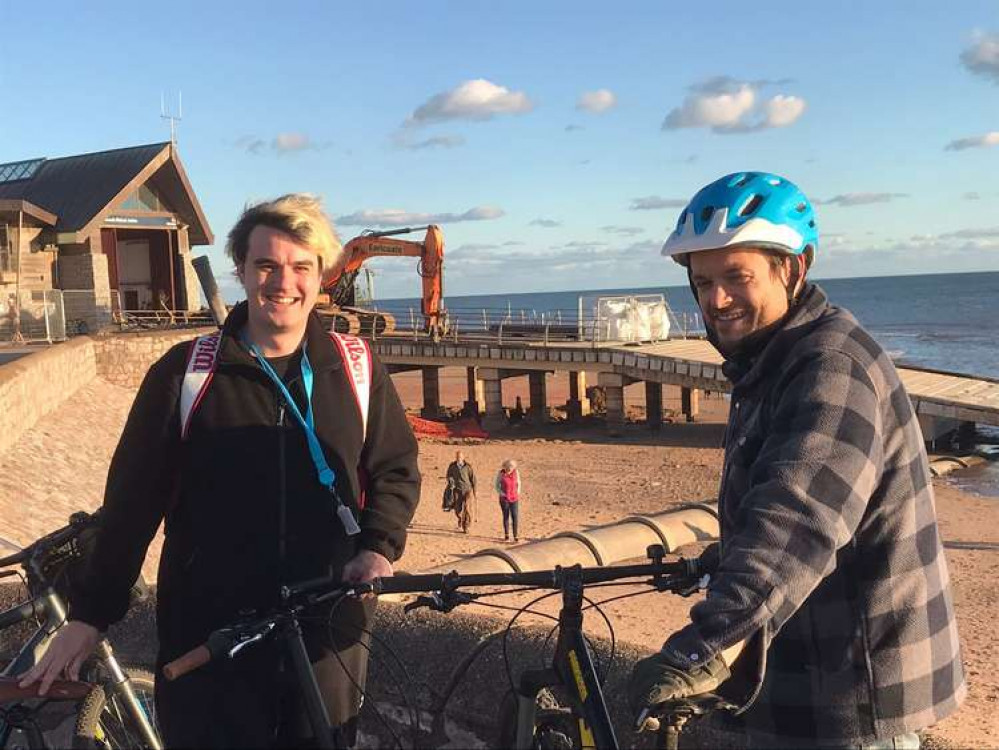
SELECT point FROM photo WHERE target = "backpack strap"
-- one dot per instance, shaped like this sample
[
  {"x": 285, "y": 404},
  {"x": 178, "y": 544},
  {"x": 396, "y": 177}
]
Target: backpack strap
[
  {"x": 201, "y": 363},
  {"x": 203, "y": 360},
  {"x": 357, "y": 359}
]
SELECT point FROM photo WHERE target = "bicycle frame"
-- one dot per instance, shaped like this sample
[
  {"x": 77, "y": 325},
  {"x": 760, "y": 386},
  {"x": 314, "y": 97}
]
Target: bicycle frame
[
  {"x": 49, "y": 606},
  {"x": 572, "y": 668}
]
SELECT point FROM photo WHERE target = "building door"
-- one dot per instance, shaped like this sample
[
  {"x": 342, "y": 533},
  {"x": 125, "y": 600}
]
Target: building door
[{"x": 134, "y": 274}]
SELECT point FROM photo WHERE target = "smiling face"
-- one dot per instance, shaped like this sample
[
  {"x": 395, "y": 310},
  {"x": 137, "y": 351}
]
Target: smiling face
[
  {"x": 281, "y": 278},
  {"x": 739, "y": 291}
]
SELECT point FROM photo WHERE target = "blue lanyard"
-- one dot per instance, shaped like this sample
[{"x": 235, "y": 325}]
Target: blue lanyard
[{"x": 325, "y": 474}]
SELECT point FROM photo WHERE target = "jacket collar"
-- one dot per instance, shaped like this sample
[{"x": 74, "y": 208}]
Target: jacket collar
[
  {"x": 765, "y": 353},
  {"x": 317, "y": 341}
]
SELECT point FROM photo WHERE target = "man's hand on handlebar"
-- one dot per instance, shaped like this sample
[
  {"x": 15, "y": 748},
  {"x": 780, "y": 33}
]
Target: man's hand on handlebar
[
  {"x": 70, "y": 647},
  {"x": 655, "y": 680},
  {"x": 366, "y": 566}
]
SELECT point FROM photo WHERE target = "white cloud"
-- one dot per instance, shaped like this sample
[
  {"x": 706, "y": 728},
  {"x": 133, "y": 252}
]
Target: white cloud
[
  {"x": 546, "y": 223},
  {"x": 860, "y": 199},
  {"x": 654, "y": 202},
  {"x": 976, "y": 141},
  {"x": 394, "y": 217},
  {"x": 972, "y": 234},
  {"x": 727, "y": 105},
  {"x": 477, "y": 99},
  {"x": 281, "y": 144},
  {"x": 597, "y": 102},
  {"x": 573, "y": 128},
  {"x": 438, "y": 141},
  {"x": 972, "y": 196},
  {"x": 626, "y": 231},
  {"x": 982, "y": 57}
]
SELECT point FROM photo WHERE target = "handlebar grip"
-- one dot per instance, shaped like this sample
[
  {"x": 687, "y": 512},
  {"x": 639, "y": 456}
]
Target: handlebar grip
[{"x": 193, "y": 659}]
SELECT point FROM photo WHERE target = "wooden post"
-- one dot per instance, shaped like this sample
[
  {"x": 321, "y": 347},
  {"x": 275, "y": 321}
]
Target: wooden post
[
  {"x": 538, "y": 410},
  {"x": 431, "y": 392},
  {"x": 689, "y": 402},
  {"x": 578, "y": 405},
  {"x": 653, "y": 405},
  {"x": 474, "y": 400},
  {"x": 613, "y": 385},
  {"x": 492, "y": 386}
]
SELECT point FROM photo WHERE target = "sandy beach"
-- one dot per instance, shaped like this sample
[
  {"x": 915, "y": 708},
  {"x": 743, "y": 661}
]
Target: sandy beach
[{"x": 573, "y": 478}]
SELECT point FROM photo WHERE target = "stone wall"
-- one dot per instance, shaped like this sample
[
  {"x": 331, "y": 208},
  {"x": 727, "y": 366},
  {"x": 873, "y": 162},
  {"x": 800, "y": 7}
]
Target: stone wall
[
  {"x": 86, "y": 291},
  {"x": 125, "y": 358},
  {"x": 33, "y": 386},
  {"x": 39, "y": 383}
]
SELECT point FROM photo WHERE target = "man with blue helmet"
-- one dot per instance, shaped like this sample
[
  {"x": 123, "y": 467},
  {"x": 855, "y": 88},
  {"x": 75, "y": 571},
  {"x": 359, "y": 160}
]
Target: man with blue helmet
[{"x": 830, "y": 599}]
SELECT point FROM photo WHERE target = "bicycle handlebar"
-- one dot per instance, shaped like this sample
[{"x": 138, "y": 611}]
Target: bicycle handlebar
[
  {"x": 230, "y": 639},
  {"x": 77, "y": 523}
]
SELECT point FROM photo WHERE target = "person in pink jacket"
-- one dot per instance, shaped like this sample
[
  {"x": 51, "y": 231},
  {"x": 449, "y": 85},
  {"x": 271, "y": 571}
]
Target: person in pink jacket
[{"x": 508, "y": 489}]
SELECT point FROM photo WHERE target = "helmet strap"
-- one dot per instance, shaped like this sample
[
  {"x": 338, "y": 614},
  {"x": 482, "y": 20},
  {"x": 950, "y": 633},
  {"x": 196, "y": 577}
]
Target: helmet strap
[{"x": 796, "y": 281}]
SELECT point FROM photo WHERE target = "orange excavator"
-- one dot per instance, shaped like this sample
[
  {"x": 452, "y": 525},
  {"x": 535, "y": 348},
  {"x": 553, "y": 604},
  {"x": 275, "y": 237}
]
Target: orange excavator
[{"x": 340, "y": 300}]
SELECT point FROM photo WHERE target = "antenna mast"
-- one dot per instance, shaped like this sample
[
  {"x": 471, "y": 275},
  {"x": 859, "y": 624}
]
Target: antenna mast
[{"x": 174, "y": 119}]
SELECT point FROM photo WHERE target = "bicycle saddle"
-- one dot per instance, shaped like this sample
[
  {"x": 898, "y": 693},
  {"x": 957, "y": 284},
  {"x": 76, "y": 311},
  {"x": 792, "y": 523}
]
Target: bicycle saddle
[{"x": 61, "y": 690}]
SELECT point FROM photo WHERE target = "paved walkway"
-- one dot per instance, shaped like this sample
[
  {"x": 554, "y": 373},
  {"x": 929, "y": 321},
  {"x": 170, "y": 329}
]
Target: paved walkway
[{"x": 60, "y": 465}]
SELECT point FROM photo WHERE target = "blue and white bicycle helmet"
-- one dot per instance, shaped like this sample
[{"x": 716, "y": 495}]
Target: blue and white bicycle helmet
[{"x": 754, "y": 209}]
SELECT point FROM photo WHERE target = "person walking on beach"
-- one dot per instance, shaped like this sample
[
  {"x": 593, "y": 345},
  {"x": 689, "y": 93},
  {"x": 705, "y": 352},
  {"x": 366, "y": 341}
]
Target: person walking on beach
[
  {"x": 829, "y": 595},
  {"x": 461, "y": 476},
  {"x": 508, "y": 489},
  {"x": 268, "y": 469}
]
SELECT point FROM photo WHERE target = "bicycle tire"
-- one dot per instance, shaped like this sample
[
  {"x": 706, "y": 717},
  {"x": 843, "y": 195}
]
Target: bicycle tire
[
  {"x": 101, "y": 724},
  {"x": 555, "y": 728}
]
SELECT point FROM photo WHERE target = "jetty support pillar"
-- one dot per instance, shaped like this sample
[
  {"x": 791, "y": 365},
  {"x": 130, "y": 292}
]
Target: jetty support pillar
[
  {"x": 690, "y": 402},
  {"x": 476, "y": 394},
  {"x": 578, "y": 406},
  {"x": 492, "y": 388},
  {"x": 613, "y": 385},
  {"x": 538, "y": 412},
  {"x": 653, "y": 405},
  {"x": 431, "y": 392}
]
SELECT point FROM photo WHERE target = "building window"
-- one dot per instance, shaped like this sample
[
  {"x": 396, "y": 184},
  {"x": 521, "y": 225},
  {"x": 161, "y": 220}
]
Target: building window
[
  {"x": 6, "y": 256},
  {"x": 143, "y": 199}
]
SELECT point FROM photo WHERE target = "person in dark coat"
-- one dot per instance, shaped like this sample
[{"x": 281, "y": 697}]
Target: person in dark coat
[
  {"x": 248, "y": 507},
  {"x": 461, "y": 475}
]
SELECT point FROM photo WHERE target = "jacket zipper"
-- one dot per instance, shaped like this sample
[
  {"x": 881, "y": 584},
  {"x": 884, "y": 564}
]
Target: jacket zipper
[{"x": 282, "y": 489}]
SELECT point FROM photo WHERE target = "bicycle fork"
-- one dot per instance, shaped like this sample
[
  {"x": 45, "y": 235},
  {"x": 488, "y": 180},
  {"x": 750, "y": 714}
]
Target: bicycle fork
[{"x": 120, "y": 687}]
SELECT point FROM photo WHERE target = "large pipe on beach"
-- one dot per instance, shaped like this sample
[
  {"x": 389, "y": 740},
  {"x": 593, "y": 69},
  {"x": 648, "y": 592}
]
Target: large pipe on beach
[
  {"x": 602, "y": 545},
  {"x": 203, "y": 267}
]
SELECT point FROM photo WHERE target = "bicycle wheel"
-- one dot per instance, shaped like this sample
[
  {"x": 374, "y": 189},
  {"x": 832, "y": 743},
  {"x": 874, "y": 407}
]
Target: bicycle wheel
[
  {"x": 104, "y": 723},
  {"x": 555, "y": 728}
]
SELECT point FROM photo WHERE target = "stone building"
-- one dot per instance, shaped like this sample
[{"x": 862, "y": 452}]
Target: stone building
[{"x": 113, "y": 230}]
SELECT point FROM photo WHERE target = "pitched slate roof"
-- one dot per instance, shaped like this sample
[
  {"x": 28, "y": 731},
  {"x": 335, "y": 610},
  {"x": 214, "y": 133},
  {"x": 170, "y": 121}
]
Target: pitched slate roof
[{"x": 77, "y": 188}]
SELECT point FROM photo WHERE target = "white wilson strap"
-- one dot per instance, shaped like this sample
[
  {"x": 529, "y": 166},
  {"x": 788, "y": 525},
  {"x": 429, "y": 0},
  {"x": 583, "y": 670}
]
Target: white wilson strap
[
  {"x": 357, "y": 359},
  {"x": 200, "y": 369},
  {"x": 203, "y": 359}
]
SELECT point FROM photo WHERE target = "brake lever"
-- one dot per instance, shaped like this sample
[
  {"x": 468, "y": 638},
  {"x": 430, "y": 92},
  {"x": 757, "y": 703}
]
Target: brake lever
[{"x": 243, "y": 642}]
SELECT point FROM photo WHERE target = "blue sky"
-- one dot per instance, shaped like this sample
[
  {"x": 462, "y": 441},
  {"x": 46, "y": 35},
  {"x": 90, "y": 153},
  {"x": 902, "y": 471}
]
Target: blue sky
[{"x": 553, "y": 140}]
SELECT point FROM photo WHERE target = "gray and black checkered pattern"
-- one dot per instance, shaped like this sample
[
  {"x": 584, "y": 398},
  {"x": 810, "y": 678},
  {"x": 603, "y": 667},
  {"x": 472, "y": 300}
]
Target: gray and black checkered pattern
[{"x": 832, "y": 564}]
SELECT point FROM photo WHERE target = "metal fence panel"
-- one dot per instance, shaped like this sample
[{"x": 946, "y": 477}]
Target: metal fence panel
[{"x": 32, "y": 316}]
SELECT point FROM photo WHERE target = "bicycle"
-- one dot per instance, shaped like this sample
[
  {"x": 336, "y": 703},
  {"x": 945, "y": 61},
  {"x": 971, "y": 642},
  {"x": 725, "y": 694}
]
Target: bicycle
[
  {"x": 530, "y": 716},
  {"x": 118, "y": 710}
]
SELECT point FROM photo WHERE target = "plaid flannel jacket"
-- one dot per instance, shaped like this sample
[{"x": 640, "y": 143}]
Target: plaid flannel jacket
[{"x": 831, "y": 562}]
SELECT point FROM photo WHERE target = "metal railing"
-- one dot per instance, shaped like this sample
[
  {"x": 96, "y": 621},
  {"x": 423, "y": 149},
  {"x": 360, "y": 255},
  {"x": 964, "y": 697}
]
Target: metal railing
[{"x": 32, "y": 316}]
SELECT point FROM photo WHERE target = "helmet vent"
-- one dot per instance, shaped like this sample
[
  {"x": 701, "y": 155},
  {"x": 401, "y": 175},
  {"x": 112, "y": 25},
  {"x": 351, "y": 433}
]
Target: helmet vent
[
  {"x": 800, "y": 208},
  {"x": 750, "y": 206},
  {"x": 706, "y": 213},
  {"x": 741, "y": 180},
  {"x": 811, "y": 224}
]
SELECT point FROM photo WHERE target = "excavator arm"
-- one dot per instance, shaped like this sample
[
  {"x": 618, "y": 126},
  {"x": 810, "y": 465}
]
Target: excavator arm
[{"x": 431, "y": 266}]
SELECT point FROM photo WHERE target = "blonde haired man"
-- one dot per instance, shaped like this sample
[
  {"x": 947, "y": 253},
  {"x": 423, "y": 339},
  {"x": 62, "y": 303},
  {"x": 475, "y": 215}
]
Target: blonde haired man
[{"x": 247, "y": 506}]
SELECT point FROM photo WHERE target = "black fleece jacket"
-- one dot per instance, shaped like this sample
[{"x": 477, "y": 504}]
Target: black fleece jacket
[{"x": 242, "y": 482}]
